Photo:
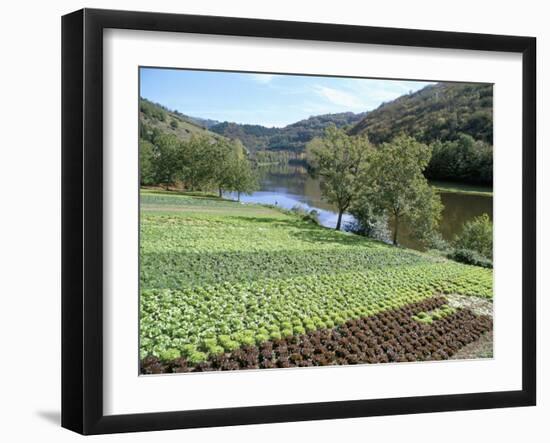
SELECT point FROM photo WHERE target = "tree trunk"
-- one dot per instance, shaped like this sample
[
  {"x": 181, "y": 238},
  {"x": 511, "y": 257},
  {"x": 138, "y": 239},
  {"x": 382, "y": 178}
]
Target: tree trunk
[
  {"x": 239, "y": 196},
  {"x": 339, "y": 222},
  {"x": 220, "y": 192},
  {"x": 395, "y": 230}
]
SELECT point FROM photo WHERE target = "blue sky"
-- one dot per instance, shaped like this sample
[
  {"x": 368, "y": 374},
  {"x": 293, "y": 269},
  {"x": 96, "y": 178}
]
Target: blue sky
[{"x": 265, "y": 99}]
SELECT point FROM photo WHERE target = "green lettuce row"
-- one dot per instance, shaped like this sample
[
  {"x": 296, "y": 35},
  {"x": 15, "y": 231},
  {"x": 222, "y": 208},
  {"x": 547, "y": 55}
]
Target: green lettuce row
[{"x": 205, "y": 320}]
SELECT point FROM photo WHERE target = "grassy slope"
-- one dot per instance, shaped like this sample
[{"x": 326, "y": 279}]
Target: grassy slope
[
  {"x": 184, "y": 130},
  {"x": 213, "y": 268}
]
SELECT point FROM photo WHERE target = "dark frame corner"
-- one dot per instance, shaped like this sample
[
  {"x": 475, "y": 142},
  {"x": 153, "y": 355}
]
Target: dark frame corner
[{"x": 82, "y": 348}]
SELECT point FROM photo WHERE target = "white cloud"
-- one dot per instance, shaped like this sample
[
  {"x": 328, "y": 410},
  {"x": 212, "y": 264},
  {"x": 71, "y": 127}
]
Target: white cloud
[
  {"x": 385, "y": 90},
  {"x": 340, "y": 97},
  {"x": 365, "y": 94},
  {"x": 262, "y": 78}
]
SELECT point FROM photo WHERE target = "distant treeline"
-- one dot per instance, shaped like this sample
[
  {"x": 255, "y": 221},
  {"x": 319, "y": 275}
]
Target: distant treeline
[
  {"x": 285, "y": 157},
  {"x": 463, "y": 160},
  {"x": 292, "y": 138}
]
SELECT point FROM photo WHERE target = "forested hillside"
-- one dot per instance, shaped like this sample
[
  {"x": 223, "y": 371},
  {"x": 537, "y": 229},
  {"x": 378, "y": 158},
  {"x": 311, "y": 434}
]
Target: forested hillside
[
  {"x": 254, "y": 137},
  {"x": 292, "y": 137},
  {"x": 442, "y": 112},
  {"x": 456, "y": 119}
]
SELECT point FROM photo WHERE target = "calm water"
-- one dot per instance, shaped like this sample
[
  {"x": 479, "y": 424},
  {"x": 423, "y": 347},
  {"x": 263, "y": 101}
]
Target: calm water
[{"x": 288, "y": 186}]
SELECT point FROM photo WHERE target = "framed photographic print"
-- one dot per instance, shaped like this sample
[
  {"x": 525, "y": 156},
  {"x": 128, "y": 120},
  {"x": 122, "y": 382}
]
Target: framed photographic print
[{"x": 269, "y": 221}]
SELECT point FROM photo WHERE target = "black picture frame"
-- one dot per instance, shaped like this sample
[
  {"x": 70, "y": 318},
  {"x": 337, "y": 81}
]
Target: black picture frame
[{"x": 82, "y": 218}]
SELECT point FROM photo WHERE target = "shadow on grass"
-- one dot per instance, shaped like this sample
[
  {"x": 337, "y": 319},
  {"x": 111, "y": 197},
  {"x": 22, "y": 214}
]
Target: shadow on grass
[
  {"x": 306, "y": 231},
  {"x": 312, "y": 233},
  {"x": 328, "y": 235}
]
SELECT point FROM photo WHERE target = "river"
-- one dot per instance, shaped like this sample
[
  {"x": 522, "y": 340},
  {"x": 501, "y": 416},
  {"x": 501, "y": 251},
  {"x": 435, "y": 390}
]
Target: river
[{"x": 287, "y": 186}]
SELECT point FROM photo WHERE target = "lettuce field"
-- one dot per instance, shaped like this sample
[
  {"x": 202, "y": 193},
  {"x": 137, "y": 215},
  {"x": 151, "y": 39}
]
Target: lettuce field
[{"x": 226, "y": 286}]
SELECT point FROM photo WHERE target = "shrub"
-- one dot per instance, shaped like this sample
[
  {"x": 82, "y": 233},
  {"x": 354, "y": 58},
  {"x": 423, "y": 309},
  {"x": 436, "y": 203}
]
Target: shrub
[
  {"x": 470, "y": 257},
  {"x": 476, "y": 235},
  {"x": 174, "y": 124},
  {"x": 310, "y": 216},
  {"x": 435, "y": 242},
  {"x": 369, "y": 224}
]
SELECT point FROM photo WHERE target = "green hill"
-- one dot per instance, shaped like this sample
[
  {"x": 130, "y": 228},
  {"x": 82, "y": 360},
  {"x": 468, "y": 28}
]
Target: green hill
[
  {"x": 291, "y": 138},
  {"x": 254, "y": 137},
  {"x": 456, "y": 119},
  {"x": 442, "y": 112},
  {"x": 153, "y": 116}
]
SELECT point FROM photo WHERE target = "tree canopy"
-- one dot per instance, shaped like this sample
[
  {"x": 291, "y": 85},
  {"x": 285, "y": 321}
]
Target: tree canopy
[
  {"x": 395, "y": 186},
  {"x": 341, "y": 161},
  {"x": 464, "y": 159},
  {"x": 241, "y": 177},
  {"x": 199, "y": 163}
]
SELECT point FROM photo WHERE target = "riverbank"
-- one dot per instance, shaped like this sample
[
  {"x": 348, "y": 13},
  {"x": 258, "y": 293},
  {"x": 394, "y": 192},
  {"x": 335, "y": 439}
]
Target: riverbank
[
  {"x": 461, "y": 188},
  {"x": 300, "y": 190},
  {"x": 217, "y": 275}
]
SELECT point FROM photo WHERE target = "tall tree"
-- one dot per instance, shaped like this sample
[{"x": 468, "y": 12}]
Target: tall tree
[
  {"x": 225, "y": 154},
  {"x": 341, "y": 161},
  {"x": 198, "y": 157},
  {"x": 397, "y": 187},
  {"x": 146, "y": 163},
  {"x": 164, "y": 157},
  {"x": 243, "y": 179}
]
